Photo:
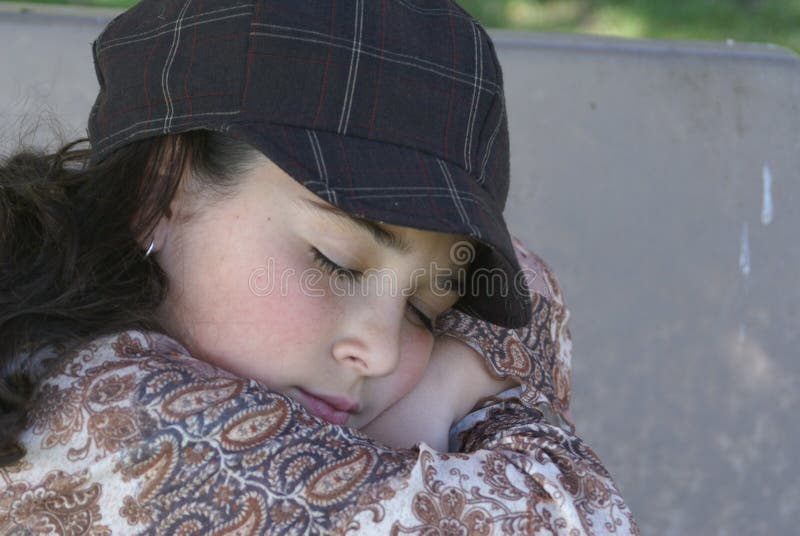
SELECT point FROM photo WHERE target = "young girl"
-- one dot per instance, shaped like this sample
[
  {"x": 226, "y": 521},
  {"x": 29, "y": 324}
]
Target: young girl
[{"x": 276, "y": 287}]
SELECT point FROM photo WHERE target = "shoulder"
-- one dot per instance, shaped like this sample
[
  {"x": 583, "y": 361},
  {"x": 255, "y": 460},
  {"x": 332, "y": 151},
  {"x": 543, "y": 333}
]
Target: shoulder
[
  {"x": 132, "y": 354},
  {"x": 85, "y": 415},
  {"x": 149, "y": 373},
  {"x": 540, "y": 276},
  {"x": 150, "y": 438},
  {"x": 109, "y": 393},
  {"x": 203, "y": 442}
]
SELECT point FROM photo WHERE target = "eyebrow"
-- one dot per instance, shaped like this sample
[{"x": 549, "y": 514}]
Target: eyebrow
[{"x": 382, "y": 236}]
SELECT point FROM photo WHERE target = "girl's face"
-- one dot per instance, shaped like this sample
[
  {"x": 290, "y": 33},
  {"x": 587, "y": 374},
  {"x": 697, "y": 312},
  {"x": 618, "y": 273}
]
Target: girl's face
[{"x": 251, "y": 291}]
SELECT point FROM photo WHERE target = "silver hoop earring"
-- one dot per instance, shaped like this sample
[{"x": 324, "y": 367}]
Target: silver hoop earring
[{"x": 149, "y": 248}]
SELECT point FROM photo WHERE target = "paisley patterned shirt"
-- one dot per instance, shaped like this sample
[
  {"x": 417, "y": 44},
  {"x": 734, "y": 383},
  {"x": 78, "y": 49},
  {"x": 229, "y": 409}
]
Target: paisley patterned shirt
[{"x": 130, "y": 434}]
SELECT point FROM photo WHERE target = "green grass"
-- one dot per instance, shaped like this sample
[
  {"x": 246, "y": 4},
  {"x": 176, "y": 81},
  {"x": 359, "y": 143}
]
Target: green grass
[
  {"x": 93, "y": 3},
  {"x": 767, "y": 21}
]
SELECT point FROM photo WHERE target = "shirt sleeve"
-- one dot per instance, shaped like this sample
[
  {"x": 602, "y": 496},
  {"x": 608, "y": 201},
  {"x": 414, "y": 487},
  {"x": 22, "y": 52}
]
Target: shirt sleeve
[
  {"x": 132, "y": 435},
  {"x": 538, "y": 355},
  {"x": 219, "y": 453}
]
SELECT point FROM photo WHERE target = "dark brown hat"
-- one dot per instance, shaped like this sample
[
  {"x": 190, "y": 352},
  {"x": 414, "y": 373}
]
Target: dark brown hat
[{"x": 392, "y": 110}]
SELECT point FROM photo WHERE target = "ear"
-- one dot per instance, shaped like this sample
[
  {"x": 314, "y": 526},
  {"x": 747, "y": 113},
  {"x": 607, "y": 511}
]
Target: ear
[
  {"x": 172, "y": 216},
  {"x": 160, "y": 234},
  {"x": 168, "y": 219}
]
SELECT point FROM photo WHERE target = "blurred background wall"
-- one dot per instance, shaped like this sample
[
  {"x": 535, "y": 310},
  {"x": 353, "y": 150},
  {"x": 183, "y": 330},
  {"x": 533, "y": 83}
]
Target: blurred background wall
[{"x": 660, "y": 180}]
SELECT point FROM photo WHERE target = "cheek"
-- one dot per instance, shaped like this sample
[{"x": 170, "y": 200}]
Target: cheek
[
  {"x": 415, "y": 355},
  {"x": 238, "y": 313},
  {"x": 282, "y": 307},
  {"x": 283, "y": 316}
]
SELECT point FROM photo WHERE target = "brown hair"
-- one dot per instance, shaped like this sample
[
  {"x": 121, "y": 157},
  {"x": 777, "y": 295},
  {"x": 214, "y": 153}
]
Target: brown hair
[{"x": 71, "y": 267}]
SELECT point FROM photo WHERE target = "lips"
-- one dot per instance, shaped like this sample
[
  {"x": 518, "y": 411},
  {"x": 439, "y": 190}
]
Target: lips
[{"x": 332, "y": 408}]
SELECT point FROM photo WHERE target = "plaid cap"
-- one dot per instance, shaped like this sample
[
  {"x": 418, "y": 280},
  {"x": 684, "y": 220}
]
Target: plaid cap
[{"x": 392, "y": 110}]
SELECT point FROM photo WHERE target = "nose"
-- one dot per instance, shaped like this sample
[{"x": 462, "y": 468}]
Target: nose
[{"x": 370, "y": 342}]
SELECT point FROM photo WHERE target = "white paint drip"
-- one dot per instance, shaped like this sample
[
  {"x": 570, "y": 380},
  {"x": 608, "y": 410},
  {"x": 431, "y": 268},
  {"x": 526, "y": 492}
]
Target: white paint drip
[
  {"x": 744, "y": 252},
  {"x": 766, "y": 204}
]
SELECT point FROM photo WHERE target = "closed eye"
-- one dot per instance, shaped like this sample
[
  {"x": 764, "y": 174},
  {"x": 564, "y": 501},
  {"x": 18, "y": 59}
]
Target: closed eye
[
  {"x": 334, "y": 269},
  {"x": 351, "y": 275}
]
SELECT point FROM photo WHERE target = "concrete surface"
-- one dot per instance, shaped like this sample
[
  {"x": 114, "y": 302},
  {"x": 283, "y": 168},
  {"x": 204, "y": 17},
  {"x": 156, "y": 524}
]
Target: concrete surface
[{"x": 660, "y": 180}]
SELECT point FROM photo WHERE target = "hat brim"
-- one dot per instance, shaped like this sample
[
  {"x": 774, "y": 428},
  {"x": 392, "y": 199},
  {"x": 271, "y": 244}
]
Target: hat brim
[{"x": 406, "y": 187}]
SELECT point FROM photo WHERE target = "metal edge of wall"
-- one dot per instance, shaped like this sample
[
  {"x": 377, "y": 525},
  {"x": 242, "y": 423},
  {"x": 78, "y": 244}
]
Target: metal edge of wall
[{"x": 566, "y": 42}]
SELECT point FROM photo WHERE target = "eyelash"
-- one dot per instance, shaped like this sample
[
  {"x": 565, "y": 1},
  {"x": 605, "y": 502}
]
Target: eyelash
[{"x": 353, "y": 275}]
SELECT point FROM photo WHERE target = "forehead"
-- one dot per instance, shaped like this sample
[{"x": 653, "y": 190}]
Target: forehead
[{"x": 400, "y": 239}]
